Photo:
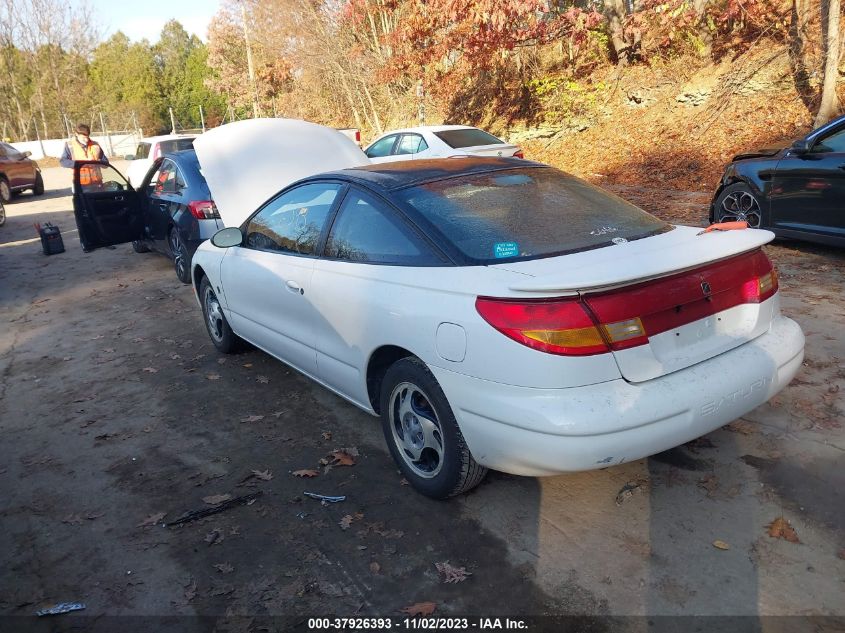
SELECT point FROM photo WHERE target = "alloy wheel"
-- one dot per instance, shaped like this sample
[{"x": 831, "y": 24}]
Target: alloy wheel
[
  {"x": 5, "y": 191},
  {"x": 417, "y": 431},
  {"x": 213, "y": 315},
  {"x": 178, "y": 255},
  {"x": 740, "y": 206}
]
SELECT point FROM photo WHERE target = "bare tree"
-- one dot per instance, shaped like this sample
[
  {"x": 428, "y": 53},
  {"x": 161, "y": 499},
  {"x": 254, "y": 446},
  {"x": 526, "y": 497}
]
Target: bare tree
[{"x": 829, "y": 102}]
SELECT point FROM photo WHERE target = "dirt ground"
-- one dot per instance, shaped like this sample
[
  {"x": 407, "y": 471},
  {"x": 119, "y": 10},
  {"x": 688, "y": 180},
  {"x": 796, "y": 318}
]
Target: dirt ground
[{"x": 117, "y": 414}]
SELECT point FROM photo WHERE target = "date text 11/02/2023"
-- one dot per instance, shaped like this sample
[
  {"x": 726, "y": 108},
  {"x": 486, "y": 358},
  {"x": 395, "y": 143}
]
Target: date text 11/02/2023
[{"x": 416, "y": 624}]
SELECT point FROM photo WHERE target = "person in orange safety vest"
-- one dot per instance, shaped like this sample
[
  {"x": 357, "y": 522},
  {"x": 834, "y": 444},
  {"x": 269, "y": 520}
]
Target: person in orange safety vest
[{"x": 80, "y": 147}]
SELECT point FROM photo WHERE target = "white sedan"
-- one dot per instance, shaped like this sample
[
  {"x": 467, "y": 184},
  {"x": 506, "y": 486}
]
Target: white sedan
[
  {"x": 438, "y": 141},
  {"x": 495, "y": 313}
]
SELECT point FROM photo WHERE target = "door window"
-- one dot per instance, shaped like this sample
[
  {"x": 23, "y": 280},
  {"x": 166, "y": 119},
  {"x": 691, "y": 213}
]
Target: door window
[
  {"x": 368, "y": 231},
  {"x": 833, "y": 143},
  {"x": 382, "y": 147},
  {"x": 163, "y": 180},
  {"x": 411, "y": 144},
  {"x": 97, "y": 178},
  {"x": 294, "y": 221},
  {"x": 142, "y": 151},
  {"x": 11, "y": 152}
]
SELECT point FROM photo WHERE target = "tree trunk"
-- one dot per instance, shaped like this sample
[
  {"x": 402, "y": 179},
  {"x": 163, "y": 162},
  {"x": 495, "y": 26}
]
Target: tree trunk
[
  {"x": 615, "y": 12},
  {"x": 704, "y": 34},
  {"x": 830, "y": 103}
]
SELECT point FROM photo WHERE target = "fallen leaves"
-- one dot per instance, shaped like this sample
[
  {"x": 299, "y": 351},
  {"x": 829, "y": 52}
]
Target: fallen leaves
[
  {"x": 721, "y": 545},
  {"x": 743, "y": 427},
  {"x": 253, "y": 418},
  {"x": 215, "y": 536},
  {"x": 263, "y": 380},
  {"x": 263, "y": 475},
  {"x": 629, "y": 489},
  {"x": 375, "y": 568},
  {"x": 710, "y": 484},
  {"x": 212, "y": 376},
  {"x": 452, "y": 574},
  {"x": 420, "y": 609},
  {"x": 306, "y": 473},
  {"x": 340, "y": 457},
  {"x": 153, "y": 519},
  {"x": 346, "y": 522},
  {"x": 150, "y": 370},
  {"x": 214, "y": 500},
  {"x": 781, "y": 528},
  {"x": 224, "y": 568},
  {"x": 73, "y": 519}
]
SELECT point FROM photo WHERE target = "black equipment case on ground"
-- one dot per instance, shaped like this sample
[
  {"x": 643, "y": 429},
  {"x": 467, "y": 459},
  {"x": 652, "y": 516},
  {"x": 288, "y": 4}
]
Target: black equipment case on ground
[{"x": 51, "y": 238}]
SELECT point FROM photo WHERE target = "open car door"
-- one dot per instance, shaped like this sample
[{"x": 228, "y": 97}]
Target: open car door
[{"x": 107, "y": 210}]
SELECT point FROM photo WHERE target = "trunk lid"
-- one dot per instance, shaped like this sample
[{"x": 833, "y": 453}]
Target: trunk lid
[
  {"x": 690, "y": 297},
  {"x": 491, "y": 150}
]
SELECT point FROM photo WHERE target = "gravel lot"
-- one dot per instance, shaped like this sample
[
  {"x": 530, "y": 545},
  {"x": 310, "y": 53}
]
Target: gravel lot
[{"x": 115, "y": 408}]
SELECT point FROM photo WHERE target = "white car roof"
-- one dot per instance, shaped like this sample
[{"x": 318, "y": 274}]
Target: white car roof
[
  {"x": 429, "y": 128},
  {"x": 246, "y": 162},
  {"x": 165, "y": 137}
]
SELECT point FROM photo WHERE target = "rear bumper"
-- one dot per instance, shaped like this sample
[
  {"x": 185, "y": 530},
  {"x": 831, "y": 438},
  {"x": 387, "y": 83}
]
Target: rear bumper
[{"x": 527, "y": 431}]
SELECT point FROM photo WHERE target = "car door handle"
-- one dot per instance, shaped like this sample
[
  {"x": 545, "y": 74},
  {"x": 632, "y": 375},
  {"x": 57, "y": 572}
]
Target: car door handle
[
  {"x": 119, "y": 198},
  {"x": 294, "y": 287}
]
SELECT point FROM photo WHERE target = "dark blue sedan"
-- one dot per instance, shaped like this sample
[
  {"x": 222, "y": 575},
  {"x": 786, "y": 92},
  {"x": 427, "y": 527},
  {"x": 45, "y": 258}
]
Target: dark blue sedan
[{"x": 171, "y": 212}]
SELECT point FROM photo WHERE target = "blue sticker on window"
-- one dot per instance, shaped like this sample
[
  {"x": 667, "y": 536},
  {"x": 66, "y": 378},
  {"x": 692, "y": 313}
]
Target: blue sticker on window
[{"x": 505, "y": 249}]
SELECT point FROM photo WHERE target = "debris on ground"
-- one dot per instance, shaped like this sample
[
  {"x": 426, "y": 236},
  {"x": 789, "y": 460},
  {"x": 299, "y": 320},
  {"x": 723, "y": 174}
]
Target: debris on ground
[
  {"x": 224, "y": 568},
  {"x": 153, "y": 519},
  {"x": 225, "y": 505},
  {"x": 347, "y": 520},
  {"x": 627, "y": 491},
  {"x": 325, "y": 498},
  {"x": 743, "y": 427},
  {"x": 709, "y": 483},
  {"x": 215, "y": 536},
  {"x": 340, "y": 457},
  {"x": 306, "y": 472},
  {"x": 452, "y": 574},
  {"x": 781, "y": 528},
  {"x": 214, "y": 500},
  {"x": 720, "y": 544},
  {"x": 61, "y": 607},
  {"x": 420, "y": 609}
]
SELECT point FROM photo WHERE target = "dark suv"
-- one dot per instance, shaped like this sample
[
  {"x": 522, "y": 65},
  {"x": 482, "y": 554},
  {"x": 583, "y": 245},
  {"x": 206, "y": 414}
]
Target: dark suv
[{"x": 17, "y": 173}]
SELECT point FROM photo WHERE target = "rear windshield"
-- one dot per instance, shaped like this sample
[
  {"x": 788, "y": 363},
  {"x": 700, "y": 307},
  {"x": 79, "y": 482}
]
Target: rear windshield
[
  {"x": 467, "y": 138},
  {"x": 527, "y": 213},
  {"x": 176, "y": 145},
  {"x": 143, "y": 150}
]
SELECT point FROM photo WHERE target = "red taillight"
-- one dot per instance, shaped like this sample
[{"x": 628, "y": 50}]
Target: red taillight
[
  {"x": 557, "y": 326},
  {"x": 518, "y": 154},
  {"x": 357, "y": 136},
  {"x": 624, "y": 318},
  {"x": 203, "y": 209}
]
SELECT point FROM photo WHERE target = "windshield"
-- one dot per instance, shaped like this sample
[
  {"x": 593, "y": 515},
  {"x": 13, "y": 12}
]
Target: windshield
[
  {"x": 467, "y": 137},
  {"x": 527, "y": 213}
]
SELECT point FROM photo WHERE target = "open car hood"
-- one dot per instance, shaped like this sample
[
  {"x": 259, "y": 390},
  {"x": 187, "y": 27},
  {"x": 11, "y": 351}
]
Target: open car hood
[{"x": 247, "y": 162}]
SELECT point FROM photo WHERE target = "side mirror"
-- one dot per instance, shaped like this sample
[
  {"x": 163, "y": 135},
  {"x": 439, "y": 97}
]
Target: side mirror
[
  {"x": 801, "y": 146},
  {"x": 27, "y": 154},
  {"x": 231, "y": 236}
]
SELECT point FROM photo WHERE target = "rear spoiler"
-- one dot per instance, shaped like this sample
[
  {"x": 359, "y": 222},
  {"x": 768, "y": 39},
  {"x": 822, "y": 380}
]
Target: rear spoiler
[{"x": 642, "y": 260}]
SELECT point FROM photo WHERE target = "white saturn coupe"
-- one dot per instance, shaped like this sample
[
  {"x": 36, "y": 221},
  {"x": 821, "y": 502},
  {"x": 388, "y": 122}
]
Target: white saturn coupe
[
  {"x": 495, "y": 312},
  {"x": 437, "y": 141}
]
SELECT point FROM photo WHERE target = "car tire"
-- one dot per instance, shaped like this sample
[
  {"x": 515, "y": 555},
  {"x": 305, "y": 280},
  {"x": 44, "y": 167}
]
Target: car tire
[
  {"x": 139, "y": 246},
  {"x": 5, "y": 191},
  {"x": 2, "y": 214},
  {"x": 422, "y": 434},
  {"x": 738, "y": 202},
  {"x": 181, "y": 256},
  {"x": 221, "y": 334},
  {"x": 38, "y": 187}
]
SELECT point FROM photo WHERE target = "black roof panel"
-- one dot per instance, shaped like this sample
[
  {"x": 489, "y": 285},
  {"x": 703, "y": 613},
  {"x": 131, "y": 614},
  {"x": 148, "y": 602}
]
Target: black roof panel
[{"x": 407, "y": 173}]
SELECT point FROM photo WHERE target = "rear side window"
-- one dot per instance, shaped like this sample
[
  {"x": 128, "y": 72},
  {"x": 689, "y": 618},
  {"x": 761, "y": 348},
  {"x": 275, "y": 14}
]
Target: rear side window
[
  {"x": 468, "y": 137},
  {"x": 526, "y": 213},
  {"x": 833, "y": 143},
  {"x": 294, "y": 221},
  {"x": 142, "y": 151},
  {"x": 176, "y": 145},
  {"x": 411, "y": 144},
  {"x": 368, "y": 231}
]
